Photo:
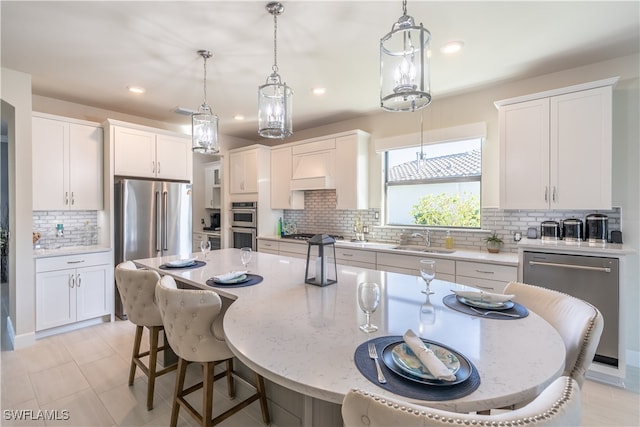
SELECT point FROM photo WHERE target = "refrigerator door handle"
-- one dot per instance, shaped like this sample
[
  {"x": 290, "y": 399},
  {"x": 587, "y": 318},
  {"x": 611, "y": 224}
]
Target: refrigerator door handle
[
  {"x": 165, "y": 220},
  {"x": 158, "y": 221}
]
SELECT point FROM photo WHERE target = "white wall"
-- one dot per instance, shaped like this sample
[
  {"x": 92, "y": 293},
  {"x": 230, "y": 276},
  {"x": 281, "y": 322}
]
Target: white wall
[{"x": 16, "y": 91}]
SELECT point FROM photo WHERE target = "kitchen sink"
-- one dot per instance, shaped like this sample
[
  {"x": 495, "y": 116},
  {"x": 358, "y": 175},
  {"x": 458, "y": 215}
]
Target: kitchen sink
[{"x": 420, "y": 248}]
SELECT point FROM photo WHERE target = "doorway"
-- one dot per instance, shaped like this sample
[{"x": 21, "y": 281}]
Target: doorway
[{"x": 6, "y": 127}]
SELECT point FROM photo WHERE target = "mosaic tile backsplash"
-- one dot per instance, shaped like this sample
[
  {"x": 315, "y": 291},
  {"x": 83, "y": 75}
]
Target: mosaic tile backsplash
[
  {"x": 80, "y": 228},
  {"x": 320, "y": 215}
]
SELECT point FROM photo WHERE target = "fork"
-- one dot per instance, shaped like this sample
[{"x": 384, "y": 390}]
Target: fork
[
  {"x": 484, "y": 313},
  {"x": 373, "y": 353}
]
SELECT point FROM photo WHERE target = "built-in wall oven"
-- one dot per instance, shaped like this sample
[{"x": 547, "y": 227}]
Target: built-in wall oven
[
  {"x": 244, "y": 224},
  {"x": 592, "y": 279}
]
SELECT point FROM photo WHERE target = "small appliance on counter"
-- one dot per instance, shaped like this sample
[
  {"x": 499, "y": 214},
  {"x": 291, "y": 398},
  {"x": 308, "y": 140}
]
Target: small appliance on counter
[
  {"x": 572, "y": 230},
  {"x": 597, "y": 228},
  {"x": 215, "y": 223},
  {"x": 550, "y": 230}
]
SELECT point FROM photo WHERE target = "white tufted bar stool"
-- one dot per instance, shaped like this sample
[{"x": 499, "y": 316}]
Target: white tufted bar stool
[
  {"x": 579, "y": 323},
  {"x": 558, "y": 405},
  {"x": 193, "y": 324},
  {"x": 137, "y": 291}
]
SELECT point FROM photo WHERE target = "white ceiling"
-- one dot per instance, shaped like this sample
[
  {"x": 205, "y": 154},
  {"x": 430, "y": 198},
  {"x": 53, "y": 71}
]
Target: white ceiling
[{"x": 89, "y": 52}]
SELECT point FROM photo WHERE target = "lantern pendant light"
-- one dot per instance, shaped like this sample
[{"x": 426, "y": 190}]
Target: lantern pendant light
[
  {"x": 275, "y": 97},
  {"x": 204, "y": 124},
  {"x": 404, "y": 66}
]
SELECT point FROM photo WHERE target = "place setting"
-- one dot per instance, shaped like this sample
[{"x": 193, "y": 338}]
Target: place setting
[
  {"x": 240, "y": 278},
  {"x": 485, "y": 304},
  {"x": 416, "y": 367}
]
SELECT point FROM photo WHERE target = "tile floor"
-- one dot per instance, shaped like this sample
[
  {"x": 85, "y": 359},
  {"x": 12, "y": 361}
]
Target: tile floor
[{"x": 85, "y": 373}]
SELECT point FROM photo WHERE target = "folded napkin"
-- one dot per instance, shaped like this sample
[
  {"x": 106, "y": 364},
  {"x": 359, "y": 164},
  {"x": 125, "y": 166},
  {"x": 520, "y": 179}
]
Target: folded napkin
[
  {"x": 185, "y": 262},
  {"x": 427, "y": 357},
  {"x": 228, "y": 276},
  {"x": 483, "y": 296}
]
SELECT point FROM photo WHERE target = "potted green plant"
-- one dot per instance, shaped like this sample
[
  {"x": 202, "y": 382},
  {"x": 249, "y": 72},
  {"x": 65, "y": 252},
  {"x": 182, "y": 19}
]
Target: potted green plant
[{"x": 494, "y": 242}]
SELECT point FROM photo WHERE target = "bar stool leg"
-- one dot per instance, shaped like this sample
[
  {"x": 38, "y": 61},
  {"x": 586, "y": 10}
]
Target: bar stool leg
[
  {"x": 136, "y": 352},
  {"x": 231, "y": 388},
  {"x": 207, "y": 393},
  {"x": 153, "y": 359},
  {"x": 263, "y": 399},
  {"x": 180, "y": 375}
]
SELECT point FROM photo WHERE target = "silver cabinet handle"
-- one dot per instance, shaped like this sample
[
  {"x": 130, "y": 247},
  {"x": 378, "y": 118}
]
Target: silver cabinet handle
[
  {"x": 73, "y": 199},
  {"x": 553, "y": 197},
  {"x": 79, "y": 281},
  {"x": 66, "y": 197},
  {"x": 72, "y": 281},
  {"x": 546, "y": 194},
  {"x": 153, "y": 166},
  {"x": 158, "y": 167},
  {"x": 75, "y": 262},
  {"x": 485, "y": 272}
]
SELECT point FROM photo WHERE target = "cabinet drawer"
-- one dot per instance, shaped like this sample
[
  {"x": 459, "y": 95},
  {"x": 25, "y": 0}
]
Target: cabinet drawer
[
  {"x": 443, "y": 266},
  {"x": 484, "y": 284},
  {"x": 501, "y": 273},
  {"x": 268, "y": 246},
  {"x": 295, "y": 248},
  {"x": 356, "y": 255},
  {"x": 72, "y": 261}
]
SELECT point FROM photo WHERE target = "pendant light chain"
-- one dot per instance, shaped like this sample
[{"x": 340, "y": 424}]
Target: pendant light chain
[
  {"x": 205, "y": 78},
  {"x": 404, "y": 7},
  {"x": 275, "y": 44}
]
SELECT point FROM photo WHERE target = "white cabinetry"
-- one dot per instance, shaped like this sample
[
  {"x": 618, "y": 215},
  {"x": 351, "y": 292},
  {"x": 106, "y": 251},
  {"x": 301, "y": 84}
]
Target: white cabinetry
[
  {"x": 352, "y": 171},
  {"x": 269, "y": 247},
  {"x": 282, "y": 197},
  {"x": 410, "y": 264},
  {"x": 73, "y": 288},
  {"x": 149, "y": 153},
  {"x": 244, "y": 172},
  {"x": 67, "y": 164},
  {"x": 355, "y": 257},
  {"x": 212, "y": 186},
  {"x": 489, "y": 277},
  {"x": 556, "y": 149}
]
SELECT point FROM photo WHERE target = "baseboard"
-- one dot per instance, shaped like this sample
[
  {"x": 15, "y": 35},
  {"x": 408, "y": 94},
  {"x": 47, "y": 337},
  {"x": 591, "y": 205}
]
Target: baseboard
[{"x": 24, "y": 340}]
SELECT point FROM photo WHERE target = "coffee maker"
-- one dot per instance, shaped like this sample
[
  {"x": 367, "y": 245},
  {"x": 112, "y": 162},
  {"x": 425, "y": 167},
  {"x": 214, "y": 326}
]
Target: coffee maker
[{"x": 214, "y": 223}]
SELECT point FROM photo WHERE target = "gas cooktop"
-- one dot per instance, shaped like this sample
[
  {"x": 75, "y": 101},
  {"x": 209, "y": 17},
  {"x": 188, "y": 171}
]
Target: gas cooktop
[{"x": 307, "y": 236}]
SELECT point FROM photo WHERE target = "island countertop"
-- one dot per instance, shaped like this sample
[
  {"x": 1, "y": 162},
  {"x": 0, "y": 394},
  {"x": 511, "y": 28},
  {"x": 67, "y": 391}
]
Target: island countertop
[{"x": 304, "y": 337}]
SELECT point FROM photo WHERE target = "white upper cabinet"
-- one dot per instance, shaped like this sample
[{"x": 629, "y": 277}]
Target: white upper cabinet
[
  {"x": 212, "y": 186},
  {"x": 352, "y": 171},
  {"x": 282, "y": 197},
  {"x": 148, "y": 154},
  {"x": 244, "y": 171},
  {"x": 556, "y": 151},
  {"x": 67, "y": 164}
]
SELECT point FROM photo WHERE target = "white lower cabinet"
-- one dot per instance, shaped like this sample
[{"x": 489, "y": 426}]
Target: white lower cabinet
[
  {"x": 410, "y": 264},
  {"x": 488, "y": 277},
  {"x": 356, "y": 258},
  {"x": 269, "y": 247},
  {"x": 73, "y": 288}
]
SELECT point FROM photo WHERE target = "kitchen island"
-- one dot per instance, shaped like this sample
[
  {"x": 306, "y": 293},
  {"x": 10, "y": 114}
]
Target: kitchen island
[{"x": 303, "y": 337}]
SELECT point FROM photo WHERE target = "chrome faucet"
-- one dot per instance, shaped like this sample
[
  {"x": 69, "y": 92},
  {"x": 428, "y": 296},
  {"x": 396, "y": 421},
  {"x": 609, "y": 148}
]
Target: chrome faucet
[{"x": 426, "y": 236}]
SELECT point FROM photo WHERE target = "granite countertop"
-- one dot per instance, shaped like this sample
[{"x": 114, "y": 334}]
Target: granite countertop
[
  {"x": 459, "y": 254},
  {"x": 611, "y": 249},
  {"x": 69, "y": 250}
]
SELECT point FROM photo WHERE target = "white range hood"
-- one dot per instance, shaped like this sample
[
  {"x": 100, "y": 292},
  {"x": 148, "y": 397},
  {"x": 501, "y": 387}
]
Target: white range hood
[{"x": 313, "y": 171}]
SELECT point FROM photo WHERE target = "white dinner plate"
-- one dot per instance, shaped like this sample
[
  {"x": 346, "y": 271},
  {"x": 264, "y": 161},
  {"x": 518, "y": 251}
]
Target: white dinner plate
[
  {"x": 484, "y": 304},
  {"x": 239, "y": 279},
  {"x": 182, "y": 262},
  {"x": 406, "y": 360}
]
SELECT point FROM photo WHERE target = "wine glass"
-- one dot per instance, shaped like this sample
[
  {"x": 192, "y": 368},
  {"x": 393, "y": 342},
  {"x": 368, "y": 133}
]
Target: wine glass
[
  {"x": 368, "y": 300},
  {"x": 245, "y": 256},
  {"x": 205, "y": 247},
  {"x": 428, "y": 273}
]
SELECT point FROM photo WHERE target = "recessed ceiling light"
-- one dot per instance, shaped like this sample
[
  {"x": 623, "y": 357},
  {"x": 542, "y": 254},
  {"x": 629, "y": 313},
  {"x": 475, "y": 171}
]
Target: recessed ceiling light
[
  {"x": 238, "y": 117},
  {"x": 319, "y": 90},
  {"x": 135, "y": 89},
  {"x": 451, "y": 47}
]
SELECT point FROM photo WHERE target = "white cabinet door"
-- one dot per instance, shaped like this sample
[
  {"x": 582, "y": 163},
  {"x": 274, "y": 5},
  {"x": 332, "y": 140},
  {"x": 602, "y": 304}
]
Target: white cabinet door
[
  {"x": 49, "y": 163},
  {"x": 197, "y": 238},
  {"x": 244, "y": 172},
  {"x": 556, "y": 152},
  {"x": 581, "y": 150},
  {"x": 67, "y": 165},
  {"x": 91, "y": 292},
  {"x": 174, "y": 159},
  {"x": 212, "y": 188},
  {"x": 134, "y": 152},
  {"x": 524, "y": 155},
  {"x": 281, "y": 168},
  {"x": 55, "y": 298},
  {"x": 85, "y": 167},
  {"x": 351, "y": 172}
]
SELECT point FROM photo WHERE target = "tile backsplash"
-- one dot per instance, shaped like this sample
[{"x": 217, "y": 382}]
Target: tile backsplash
[
  {"x": 320, "y": 215},
  {"x": 80, "y": 228}
]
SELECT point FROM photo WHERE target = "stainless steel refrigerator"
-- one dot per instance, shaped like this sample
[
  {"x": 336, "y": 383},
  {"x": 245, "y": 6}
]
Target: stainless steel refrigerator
[{"x": 152, "y": 218}]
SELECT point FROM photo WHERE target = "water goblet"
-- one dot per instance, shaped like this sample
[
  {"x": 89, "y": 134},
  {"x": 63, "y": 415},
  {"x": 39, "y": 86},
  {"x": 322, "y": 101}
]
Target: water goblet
[
  {"x": 205, "y": 247},
  {"x": 368, "y": 300},
  {"x": 245, "y": 256},
  {"x": 428, "y": 273}
]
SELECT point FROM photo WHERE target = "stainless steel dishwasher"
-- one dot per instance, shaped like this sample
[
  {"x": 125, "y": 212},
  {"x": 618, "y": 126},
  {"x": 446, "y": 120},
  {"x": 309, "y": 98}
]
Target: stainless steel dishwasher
[{"x": 592, "y": 279}]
